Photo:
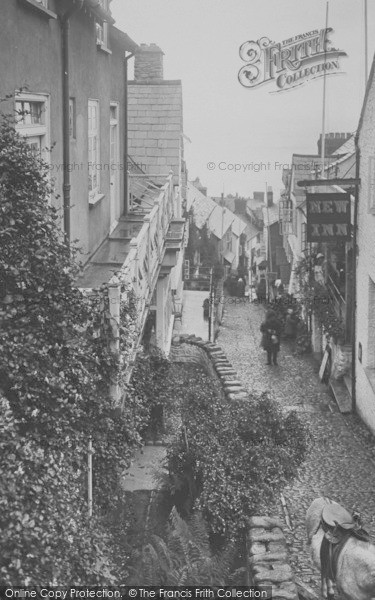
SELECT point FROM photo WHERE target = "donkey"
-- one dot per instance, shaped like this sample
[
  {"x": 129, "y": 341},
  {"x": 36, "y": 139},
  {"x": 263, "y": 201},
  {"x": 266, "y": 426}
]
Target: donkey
[{"x": 354, "y": 572}]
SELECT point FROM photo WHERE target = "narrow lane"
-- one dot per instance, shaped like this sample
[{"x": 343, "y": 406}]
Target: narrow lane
[{"x": 341, "y": 461}]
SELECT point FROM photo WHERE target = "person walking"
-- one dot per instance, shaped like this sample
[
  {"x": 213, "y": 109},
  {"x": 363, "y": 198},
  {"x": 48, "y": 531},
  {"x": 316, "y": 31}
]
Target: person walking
[
  {"x": 271, "y": 330},
  {"x": 240, "y": 287}
]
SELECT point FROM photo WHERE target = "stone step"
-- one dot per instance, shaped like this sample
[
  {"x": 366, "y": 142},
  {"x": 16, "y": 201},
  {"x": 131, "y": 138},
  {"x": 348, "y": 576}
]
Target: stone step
[
  {"x": 341, "y": 395},
  {"x": 238, "y": 396},
  {"x": 234, "y": 390},
  {"x": 268, "y": 557}
]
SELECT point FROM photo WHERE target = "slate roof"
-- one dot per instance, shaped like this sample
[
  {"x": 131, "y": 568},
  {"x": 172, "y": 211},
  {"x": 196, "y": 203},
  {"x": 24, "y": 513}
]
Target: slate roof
[
  {"x": 271, "y": 215},
  {"x": 201, "y": 205}
]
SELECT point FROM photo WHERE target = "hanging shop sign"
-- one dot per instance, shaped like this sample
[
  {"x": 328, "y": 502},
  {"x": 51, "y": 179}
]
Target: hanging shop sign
[
  {"x": 328, "y": 217},
  {"x": 291, "y": 62}
]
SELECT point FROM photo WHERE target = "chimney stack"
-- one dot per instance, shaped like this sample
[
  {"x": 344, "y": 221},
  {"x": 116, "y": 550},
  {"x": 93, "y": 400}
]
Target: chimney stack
[
  {"x": 269, "y": 197},
  {"x": 148, "y": 63},
  {"x": 199, "y": 186},
  {"x": 333, "y": 141}
]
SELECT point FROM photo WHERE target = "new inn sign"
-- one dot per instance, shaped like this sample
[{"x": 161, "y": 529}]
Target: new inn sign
[{"x": 328, "y": 217}]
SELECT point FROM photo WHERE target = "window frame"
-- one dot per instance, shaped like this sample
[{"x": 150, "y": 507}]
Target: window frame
[
  {"x": 94, "y": 194},
  {"x": 40, "y": 6},
  {"x": 40, "y": 130},
  {"x": 102, "y": 40}
]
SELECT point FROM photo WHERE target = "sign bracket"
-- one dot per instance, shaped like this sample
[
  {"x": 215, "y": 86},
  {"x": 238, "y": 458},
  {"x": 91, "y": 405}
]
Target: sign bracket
[{"x": 351, "y": 182}]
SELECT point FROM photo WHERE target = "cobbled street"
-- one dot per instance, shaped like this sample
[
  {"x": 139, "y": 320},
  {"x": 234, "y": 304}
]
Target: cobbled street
[{"x": 341, "y": 461}]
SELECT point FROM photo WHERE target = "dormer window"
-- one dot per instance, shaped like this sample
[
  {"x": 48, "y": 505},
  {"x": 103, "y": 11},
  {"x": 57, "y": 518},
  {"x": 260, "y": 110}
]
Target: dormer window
[
  {"x": 43, "y": 3},
  {"x": 102, "y": 35}
]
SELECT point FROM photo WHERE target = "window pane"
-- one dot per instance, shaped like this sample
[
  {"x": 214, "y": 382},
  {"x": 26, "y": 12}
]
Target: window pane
[
  {"x": 93, "y": 147},
  {"x": 114, "y": 113},
  {"x": 36, "y": 113},
  {"x": 34, "y": 144},
  {"x": 26, "y": 113}
]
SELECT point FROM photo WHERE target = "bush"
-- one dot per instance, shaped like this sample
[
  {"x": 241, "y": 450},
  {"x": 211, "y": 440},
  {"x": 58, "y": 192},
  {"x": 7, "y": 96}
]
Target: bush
[{"x": 231, "y": 457}]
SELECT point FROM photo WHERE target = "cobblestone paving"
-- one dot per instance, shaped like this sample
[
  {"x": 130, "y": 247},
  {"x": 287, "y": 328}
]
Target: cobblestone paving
[{"x": 341, "y": 462}]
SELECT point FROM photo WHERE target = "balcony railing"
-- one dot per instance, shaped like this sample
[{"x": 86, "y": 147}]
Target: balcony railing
[
  {"x": 337, "y": 299},
  {"x": 147, "y": 249}
]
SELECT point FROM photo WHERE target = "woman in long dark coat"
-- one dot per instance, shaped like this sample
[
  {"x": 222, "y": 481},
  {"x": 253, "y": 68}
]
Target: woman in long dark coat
[{"x": 271, "y": 330}]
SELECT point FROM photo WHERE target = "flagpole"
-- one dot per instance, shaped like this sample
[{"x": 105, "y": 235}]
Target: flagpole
[
  {"x": 323, "y": 145},
  {"x": 366, "y": 43}
]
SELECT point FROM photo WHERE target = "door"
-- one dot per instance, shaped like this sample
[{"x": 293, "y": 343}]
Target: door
[{"x": 115, "y": 165}]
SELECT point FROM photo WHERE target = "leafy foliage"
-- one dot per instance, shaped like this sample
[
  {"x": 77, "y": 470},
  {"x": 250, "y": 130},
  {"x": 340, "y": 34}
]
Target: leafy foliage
[
  {"x": 151, "y": 392},
  {"x": 184, "y": 558},
  {"x": 317, "y": 300},
  {"x": 230, "y": 457},
  {"x": 55, "y": 372}
]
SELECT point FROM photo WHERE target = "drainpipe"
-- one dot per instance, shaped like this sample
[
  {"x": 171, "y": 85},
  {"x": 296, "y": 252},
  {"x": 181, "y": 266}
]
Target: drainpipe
[
  {"x": 126, "y": 129},
  {"x": 354, "y": 259},
  {"x": 64, "y": 23}
]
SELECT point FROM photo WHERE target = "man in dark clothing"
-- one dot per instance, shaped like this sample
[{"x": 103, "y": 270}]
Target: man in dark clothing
[{"x": 271, "y": 330}]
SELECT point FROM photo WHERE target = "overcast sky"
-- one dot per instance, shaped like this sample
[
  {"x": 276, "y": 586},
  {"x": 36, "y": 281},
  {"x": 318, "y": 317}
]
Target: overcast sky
[{"x": 228, "y": 123}]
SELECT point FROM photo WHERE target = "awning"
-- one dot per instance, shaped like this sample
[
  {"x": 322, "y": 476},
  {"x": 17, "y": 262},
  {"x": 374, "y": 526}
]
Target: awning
[{"x": 229, "y": 256}]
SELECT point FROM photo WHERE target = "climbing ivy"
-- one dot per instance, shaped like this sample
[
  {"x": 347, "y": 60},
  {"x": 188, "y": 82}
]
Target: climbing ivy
[
  {"x": 55, "y": 371},
  {"x": 317, "y": 300}
]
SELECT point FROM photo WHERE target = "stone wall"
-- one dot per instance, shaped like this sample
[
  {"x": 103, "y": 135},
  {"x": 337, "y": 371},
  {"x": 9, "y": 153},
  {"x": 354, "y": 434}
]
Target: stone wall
[
  {"x": 192, "y": 354},
  {"x": 212, "y": 358},
  {"x": 268, "y": 558}
]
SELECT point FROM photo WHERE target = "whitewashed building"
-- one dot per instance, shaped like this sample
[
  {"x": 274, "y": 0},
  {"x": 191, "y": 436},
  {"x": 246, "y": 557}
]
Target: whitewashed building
[{"x": 365, "y": 314}]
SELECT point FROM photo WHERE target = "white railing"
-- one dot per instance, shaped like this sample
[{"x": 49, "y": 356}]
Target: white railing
[{"x": 142, "y": 264}]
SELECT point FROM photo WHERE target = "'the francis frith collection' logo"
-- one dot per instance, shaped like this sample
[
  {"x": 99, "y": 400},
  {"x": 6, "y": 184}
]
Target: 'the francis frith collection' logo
[{"x": 289, "y": 63}]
